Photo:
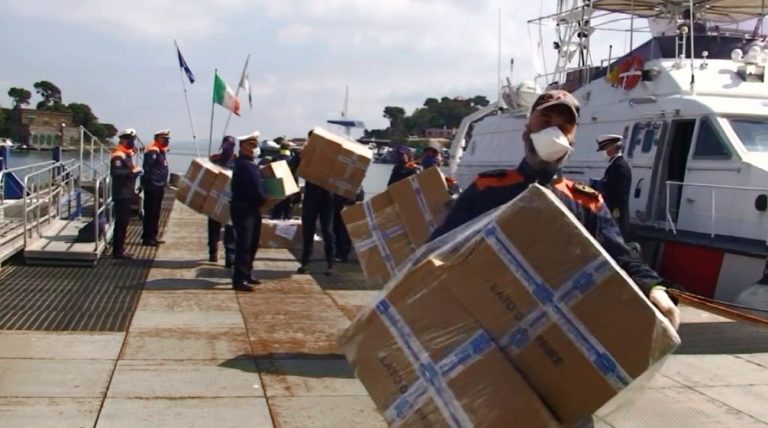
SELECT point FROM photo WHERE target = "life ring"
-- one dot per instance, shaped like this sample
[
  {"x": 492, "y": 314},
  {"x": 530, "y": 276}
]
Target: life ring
[{"x": 631, "y": 72}]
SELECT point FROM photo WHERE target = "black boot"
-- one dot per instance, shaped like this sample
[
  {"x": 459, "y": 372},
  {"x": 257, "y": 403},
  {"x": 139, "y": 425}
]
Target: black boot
[{"x": 213, "y": 256}]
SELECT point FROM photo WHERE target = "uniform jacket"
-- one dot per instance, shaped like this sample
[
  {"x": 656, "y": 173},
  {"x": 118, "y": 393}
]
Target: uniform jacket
[
  {"x": 247, "y": 192},
  {"x": 219, "y": 160},
  {"x": 121, "y": 170},
  {"x": 402, "y": 171},
  {"x": 495, "y": 188},
  {"x": 155, "y": 166},
  {"x": 616, "y": 185}
]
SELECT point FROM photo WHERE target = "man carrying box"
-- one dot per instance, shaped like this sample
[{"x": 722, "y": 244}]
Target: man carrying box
[
  {"x": 247, "y": 199},
  {"x": 548, "y": 140},
  {"x": 225, "y": 159}
]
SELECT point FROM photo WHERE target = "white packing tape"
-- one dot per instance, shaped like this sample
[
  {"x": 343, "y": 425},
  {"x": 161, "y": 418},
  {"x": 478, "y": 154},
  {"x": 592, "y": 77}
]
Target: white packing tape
[{"x": 194, "y": 186}]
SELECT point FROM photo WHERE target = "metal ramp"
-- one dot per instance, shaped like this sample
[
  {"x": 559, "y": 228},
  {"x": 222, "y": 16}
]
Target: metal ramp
[{"x": 58, "y": 245}]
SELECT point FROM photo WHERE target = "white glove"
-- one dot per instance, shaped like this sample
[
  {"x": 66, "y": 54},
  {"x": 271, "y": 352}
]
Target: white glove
[{"x": 661, "y": 300}]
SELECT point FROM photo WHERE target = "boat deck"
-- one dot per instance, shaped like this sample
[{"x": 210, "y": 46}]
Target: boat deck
[{"x": 194, "y": 353}]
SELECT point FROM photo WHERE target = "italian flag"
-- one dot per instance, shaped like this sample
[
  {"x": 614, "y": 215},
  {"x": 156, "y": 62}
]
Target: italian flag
[{"x": 224, "y": 96}]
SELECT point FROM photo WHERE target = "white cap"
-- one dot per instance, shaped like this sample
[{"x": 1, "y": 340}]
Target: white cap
[
  {"x": 127, "y": 132},
  {"x": 163, "y": 133},
  {"x": 608, "y": 140},
  {"x": 253, "y": 136}
]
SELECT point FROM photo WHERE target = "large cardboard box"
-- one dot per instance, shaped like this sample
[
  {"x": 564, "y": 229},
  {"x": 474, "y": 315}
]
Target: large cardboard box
[
  {"x": 281, "y": 234},
  {"x": 567, "y": 316},
  {"x": 279, "y": 182},
  {"x": 426, "y": 362},
  {"x": 379, "y": 237},
  {"x": 198, "y": 180},
  {"x": 422, "y": 202},
  {"x": 216, "y": 204},
  {"x": 334, "y": 163}
]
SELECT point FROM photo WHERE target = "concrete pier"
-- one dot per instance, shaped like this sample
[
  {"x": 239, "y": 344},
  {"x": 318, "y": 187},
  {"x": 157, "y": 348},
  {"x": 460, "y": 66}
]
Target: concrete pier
[{"x": 197, "y": 354}]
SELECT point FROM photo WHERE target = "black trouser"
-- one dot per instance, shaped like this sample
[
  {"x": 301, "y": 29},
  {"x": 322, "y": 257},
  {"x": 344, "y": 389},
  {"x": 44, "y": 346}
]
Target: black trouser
[
  {"x": 247, "y": 223},
  {"x": 214, "y": 236},
  {"x": 311, "y": 210},
  {"x": 122, "y": 216},
  {"x": 153, "y": 200},
  {"x": 283, "y": 209},
  {"x": 343, "y": 242}
]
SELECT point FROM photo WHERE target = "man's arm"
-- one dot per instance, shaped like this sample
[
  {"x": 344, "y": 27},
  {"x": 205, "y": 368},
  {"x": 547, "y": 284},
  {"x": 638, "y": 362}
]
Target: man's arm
[{"x": 461, "y": 213}]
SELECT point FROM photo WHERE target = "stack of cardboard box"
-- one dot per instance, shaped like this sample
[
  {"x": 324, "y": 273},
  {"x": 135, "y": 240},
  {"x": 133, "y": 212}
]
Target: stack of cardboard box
[
  {"x": 334, "y": 163},
  {"x": 387, "y": 228},
  {"x": 197, "y": 182},
  {"x": 281, "y": 234},
  {"x": 216, "y": 204},
  {"x": 526, "y": 281}
]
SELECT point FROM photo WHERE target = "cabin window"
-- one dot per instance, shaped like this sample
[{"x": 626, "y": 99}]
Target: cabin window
[
  {"x": 648, "y": 140},
  {"x": 709, "y": 143},
  {"x": 637, "y": 130},
  {"x": 753, "y": 133}
]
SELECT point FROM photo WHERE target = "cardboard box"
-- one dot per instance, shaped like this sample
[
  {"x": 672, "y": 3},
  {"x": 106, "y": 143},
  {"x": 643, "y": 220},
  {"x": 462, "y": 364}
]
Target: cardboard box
[
  {"x": 278, "y": 182},
  {"x": 216, "y": 204},
  {"x": 281, "y": 234},
  {"x": 587, "y": 332},
  {"x": 334, "y": 163},
  {"x": 198, "y": 180},
  {"x": 379, "y": 237},
  {"x": 422, "y": 202},
  {"x": 426, "y": 362}
]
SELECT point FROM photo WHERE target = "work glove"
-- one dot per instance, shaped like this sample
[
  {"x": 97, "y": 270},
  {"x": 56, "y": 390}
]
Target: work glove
[{"x": 660, "y": 298}]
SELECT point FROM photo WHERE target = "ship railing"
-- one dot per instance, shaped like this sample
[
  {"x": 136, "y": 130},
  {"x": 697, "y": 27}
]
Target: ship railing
[
  {"x": 45, "y": 190},
  {"x": 102, "y": 206},
  {"x": 96, "y": 160},
  {"x": 20, "y": 171},
  {"x": 715, "y": 209}
]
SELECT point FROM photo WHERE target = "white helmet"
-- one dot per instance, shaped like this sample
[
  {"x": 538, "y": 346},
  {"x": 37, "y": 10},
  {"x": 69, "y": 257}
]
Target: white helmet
[{"x": 128, "y": 132}]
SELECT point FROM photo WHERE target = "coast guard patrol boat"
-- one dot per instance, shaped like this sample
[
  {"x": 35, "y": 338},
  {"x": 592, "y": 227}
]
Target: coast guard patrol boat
[{"x": 692, "y": 105}]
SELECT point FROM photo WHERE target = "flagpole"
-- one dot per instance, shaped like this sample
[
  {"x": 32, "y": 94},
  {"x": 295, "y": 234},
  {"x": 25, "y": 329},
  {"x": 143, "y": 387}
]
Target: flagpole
[
  {"x": 186, "y": 98},
  {"x": 213, "y": 104},
  {"x": 237, "y": 92}
]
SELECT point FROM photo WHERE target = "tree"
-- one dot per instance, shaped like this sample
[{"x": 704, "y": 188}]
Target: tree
[
  {"x": 396, "y": 125},
  {"x": 110, "y": 128},
  {"x": 5, "y": 130},
  {"x": 51, "y": 95},
  {"x": 20, "y": 96},
  {"x": 82, "y": 115},
  {"x": 431, "y": 102},
  {"x": 480, "y": 101}
]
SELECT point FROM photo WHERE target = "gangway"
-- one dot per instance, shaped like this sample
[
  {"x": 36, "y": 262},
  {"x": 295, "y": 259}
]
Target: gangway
[{"x": 82, "y": 224}]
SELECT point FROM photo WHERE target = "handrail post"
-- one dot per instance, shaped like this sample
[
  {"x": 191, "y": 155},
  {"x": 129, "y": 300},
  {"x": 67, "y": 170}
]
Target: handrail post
[{"x": 668, "y": 217}]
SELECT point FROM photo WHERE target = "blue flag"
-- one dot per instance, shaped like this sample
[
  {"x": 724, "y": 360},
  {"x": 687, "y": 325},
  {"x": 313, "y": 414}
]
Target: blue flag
[{"x": 183, "y": 65}]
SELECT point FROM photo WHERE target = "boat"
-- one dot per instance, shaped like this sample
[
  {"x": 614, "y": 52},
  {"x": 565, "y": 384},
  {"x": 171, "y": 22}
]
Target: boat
[
  {"x": 692, "y": 105},
  {"x": 6, "y": 142}
]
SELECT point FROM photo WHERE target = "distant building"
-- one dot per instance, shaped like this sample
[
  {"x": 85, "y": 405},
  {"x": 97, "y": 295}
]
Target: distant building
[
  {"x": 447, "y": 133},
  {"x": 44, "y": 128}
]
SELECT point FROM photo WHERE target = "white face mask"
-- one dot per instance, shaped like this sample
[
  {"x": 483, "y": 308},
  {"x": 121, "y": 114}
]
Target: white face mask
[{"x": 551, "y": 144}]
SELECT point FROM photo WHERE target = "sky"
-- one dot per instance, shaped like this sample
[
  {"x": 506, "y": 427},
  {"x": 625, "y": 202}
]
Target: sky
[{"x": 119, "y": 57}]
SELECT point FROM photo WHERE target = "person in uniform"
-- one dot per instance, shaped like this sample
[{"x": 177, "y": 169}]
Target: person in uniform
[
  {"x": 318, "y": 203},
  {"x": 617, "y": 181},
  {"x": 225, "y": 159},
  {"x": 153, "y": 183},
  {"x": 548, "y": 140},
  {"x": 431, "y": 156},
  {"x": 405, "y": 166},
  {"x": 123, "y": 173},
  {"x": 247, "y": 199},
  {"x": 340, "y": 233},
  {"x": 283, "y": 209}
]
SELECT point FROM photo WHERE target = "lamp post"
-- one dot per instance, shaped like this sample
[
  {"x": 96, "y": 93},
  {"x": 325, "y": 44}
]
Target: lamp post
[{"x": 57, "y": 149}]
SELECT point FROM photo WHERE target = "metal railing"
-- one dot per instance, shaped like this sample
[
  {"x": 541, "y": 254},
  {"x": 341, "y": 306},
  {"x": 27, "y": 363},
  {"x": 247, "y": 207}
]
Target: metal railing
[
  {"x": 21, "y": 171},
  {"x": 43, "y": 194},
  {"x": 723, "y": 202},
  {"x": 100, "y": 208},
  {"x": 98, "y": 155}
]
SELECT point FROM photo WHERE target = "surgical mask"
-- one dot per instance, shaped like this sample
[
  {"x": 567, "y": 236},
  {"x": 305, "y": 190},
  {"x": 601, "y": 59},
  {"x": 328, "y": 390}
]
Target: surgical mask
[{"x": 550, "y": 144}]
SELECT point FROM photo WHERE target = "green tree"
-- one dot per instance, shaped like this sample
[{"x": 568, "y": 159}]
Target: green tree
[
  {"x": 51, "y": 95},
  {"x": 480, "y": 101},
  {"x": 20, "y": 97},
  {"x": 5, "y": 130},
  {"x": 110, "y": 128},
  {"x": 82, "y": 115},
  {"x": 431, "y": 102}
]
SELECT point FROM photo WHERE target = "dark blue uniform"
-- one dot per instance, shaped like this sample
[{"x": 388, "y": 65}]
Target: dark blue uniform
[
  {"x": 123, "y": 185},
  {"x": 495, "y": 188},
  {"x": 616, "y": 185},
  {"x": 318, "y": 202},
  {"x": 401, "y": 171},
  {"x": 214, "y": 227},
  {"x": 343, "y": 241},
  {"x": 153, "y": 182},
  {"x": 247, "y": 198}
]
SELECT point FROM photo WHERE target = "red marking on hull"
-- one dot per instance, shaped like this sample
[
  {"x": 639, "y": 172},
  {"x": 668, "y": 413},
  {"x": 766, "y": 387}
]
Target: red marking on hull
[{"x": 695, "y": 268}]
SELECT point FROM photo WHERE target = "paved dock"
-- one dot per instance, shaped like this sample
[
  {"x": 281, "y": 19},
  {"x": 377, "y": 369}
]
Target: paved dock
[{"x": 197, "y": 354}]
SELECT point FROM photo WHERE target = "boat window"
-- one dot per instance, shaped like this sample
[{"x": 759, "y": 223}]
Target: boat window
[
  {"x": 648, "y": 139},
  {"x": 637, "y": 133},
  {"x": 753, "y": 133},
  {"x": 709, "y": 142}
]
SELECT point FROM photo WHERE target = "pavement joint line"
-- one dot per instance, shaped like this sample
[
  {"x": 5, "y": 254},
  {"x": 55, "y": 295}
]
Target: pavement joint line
[
  {"x": 747, "y": 360},
  {"x": 731, "y": 408}
]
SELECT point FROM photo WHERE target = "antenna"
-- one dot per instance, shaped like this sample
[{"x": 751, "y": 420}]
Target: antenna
[
  {"x": 498, "y": 69},
  {"x": 346, "y": 104}
]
